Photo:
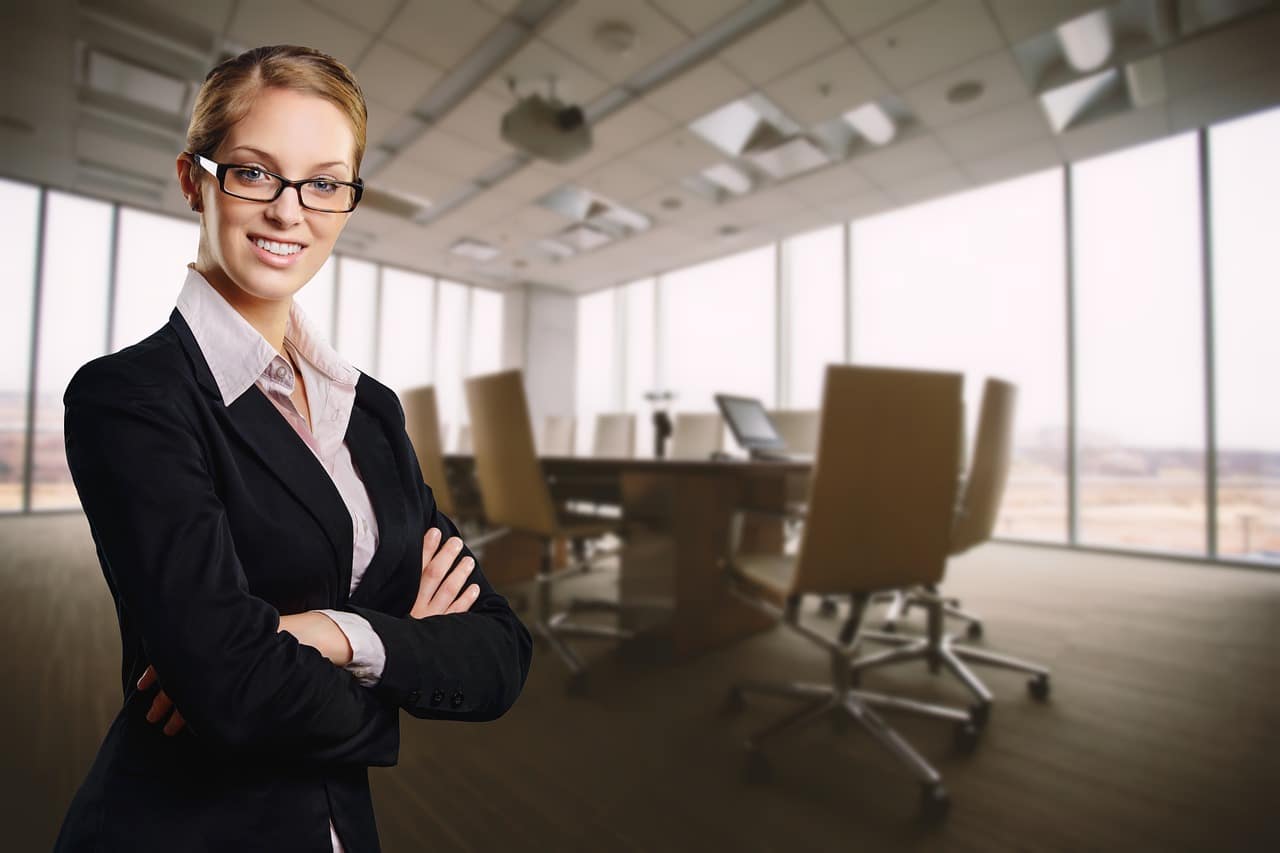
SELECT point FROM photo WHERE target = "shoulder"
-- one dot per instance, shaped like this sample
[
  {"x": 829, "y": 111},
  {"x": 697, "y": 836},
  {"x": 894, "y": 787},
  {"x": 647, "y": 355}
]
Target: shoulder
[
  {"x": 380, "y": 397},
  {"x": 151, "y": 368}
]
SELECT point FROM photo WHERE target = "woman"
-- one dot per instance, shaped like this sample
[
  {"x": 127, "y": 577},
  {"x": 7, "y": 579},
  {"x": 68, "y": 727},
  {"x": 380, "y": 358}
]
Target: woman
[{"x": 283, "y": 579}]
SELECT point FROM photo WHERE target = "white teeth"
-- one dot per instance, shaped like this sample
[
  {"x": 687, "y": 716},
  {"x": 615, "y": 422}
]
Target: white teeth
[{"x": 278, "y": 248}]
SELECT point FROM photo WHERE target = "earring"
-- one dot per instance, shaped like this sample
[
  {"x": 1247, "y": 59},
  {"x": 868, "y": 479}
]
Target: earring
[{"x": 195, "y": 207}]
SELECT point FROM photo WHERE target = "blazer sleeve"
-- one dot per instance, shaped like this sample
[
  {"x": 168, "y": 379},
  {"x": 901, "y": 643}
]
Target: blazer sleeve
[
  {"x": 467, "y": 666},
  {"x": 166, "y": 546}
]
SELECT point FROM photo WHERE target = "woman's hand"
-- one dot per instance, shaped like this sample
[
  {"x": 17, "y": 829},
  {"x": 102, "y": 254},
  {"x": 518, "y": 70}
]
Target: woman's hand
[
  {"x": 439, "y": 594},
  {"x": 317, "y": 630},
  {"x": 161, "y": 705}
]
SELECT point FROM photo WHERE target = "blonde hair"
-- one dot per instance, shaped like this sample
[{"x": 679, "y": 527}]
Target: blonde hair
[{"x": 230, "y": 88}]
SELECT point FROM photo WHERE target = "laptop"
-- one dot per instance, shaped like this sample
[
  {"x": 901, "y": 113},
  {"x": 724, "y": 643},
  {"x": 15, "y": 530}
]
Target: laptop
[{"x": 754, "y": 431}]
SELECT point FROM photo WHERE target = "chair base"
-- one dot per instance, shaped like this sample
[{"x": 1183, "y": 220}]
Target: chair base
[
  {"x": 900, "y": 604},
  {"x": 945, "y": 651}
]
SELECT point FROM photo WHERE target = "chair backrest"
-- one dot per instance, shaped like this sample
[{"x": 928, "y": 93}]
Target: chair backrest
[
  {"x": 557, "y": 436},
  {"x": 884, "y": 483},
  {"x": 512, "y": 486},
  {"x": 615, "y": 436},
  {"x": 798, "y": 428},
  {"x": 422, "y": 423},
  {"x": 989, "y": 471},
  {"x": 696, "y": 435},
  {"x": 464, "y": 438}
]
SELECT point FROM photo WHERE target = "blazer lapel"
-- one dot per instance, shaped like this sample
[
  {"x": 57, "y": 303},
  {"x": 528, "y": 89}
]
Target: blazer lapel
[
  {"x": 376, "y": 464},
  {"x": 280, "y": 449}
]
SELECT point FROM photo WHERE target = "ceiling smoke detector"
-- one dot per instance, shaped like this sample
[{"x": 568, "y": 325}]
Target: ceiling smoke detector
[{"x": 615, "y": 38}]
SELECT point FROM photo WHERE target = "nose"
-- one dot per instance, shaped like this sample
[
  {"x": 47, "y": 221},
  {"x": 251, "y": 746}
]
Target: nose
[{"x": 287, "y": 208}]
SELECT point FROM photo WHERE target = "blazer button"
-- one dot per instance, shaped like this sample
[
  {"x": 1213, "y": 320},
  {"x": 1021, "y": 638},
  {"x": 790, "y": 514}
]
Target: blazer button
[
  {"x": 456, "y": 698},
  {"x": 413, "y": 696},
  {"x": 437, "y": 697}
]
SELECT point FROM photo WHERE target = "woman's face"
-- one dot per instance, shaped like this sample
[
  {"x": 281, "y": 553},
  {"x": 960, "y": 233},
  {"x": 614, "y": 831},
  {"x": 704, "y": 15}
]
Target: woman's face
[{"x": 294, "y": 134}]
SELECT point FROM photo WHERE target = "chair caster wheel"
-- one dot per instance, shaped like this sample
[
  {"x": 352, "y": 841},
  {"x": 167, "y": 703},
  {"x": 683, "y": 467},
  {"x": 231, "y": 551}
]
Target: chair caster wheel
[
  {"x": 966, "y": 737},
  {"x": 734, "y": 702},
  {"x": 576, "y": 684},
  {"x": 974, "y": 631},
  {"x": 935, "y": 803},
  {"x": 1038, "y": 687},
  {"x": 828, "y": 608},
  {"x": 889, "y": 627},
  {"x": 757, "y": 769},
  {"x": 979, "y": 713}
]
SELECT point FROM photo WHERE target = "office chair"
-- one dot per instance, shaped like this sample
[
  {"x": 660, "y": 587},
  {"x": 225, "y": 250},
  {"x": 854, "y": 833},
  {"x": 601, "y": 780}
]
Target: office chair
[
  {"x": 557, "y": 436},
  {"x": 881, "y": 500},
  {"x": 974, "y": 522},
  {"x": 515, "y": 495},
  {"x": 697, "y": 435},
  {"x": 615, "y": 436},
  {"x": 798, "y": 428}
]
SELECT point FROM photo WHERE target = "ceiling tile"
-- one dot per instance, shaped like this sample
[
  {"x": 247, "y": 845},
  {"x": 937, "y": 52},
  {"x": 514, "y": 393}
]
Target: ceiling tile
[
  {"x": 1020, "y": 19},
  {"x": 532, "y": 221},
  {"x": 831, "y": 184},
  {"x": 370, "y": 15},
  {"x": 696, "y": 15},
  {"x": 860, "y": 206},
  {"x": 1222, "y": 55},
  {"x": 537, "y": 65},
  {"x": 393, "y": 77},
  {"x": 920, "y": 154},
  {"x": 574, "y": 32},
  {"x": 442, "y": 32},
  {"x": 531, "y": 181},
  {"x": 407, "y": 177},
  {"x": 1240, "y": 96},
  {"x": 1009, "y": 164},
  {"x": 859, "y": 17},
  {"x": 1009, "y": 127},
  {"x": 1121, "y": 131},
  {"x": 697, "y": 91},
  {"x": 628, "y": 127},
  {"x": 127, "y": 156},
  {"x": 659, "y": 204},
  {"x": 932, "y": 40},
  {"x": 382, "y": 118},
  {"x": 920, "y": 189},
  {"x": 1001, "y": 81},
  {"x": 827, "y": 88},
  {"x": 621, "y": 181},
  {"x": 296, "y": 22},
  {"x": 478, "y": 119},
  {"x": 677, "y": 155},
  {"x": 442, "y": 152},
  {"x": 786, "y": 42}
]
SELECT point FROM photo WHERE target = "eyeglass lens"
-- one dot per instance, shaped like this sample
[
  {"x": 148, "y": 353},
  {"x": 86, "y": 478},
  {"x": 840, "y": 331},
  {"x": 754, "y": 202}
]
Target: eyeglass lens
[{"x": 257, "y": 185}]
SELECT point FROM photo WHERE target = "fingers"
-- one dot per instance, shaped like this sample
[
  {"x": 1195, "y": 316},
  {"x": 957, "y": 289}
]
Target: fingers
[
  {"x": 148, "y": 678},
  {"x": 175, "y": 724},
  {"x": 452, "y": 585},
  {"x": 438, "y": 587},
  {"x": 464, "y": 601},
  {"x": 159, "y": 707}
]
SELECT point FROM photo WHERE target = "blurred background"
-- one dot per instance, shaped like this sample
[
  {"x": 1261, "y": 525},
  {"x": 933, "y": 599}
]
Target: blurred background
[{"x": 640, "y": 205}]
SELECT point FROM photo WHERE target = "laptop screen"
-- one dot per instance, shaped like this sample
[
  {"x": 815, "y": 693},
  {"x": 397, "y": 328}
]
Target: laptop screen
[{"x": 749, "y": 422}]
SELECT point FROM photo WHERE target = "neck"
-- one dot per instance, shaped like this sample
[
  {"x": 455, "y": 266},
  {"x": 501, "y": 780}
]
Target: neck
[{"x": 269, "y": 316}]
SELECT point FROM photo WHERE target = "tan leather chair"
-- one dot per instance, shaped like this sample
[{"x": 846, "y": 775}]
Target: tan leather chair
[
  {"x": 516, "y": 496},
  {"x": 615, "y": 436},
  {"x": 696, "y": 435},
  {"x": 798, "y": 428},
  {"x": 422, "y": 423},
  {"x": 557, "y": 436},
  {"x": 880, "y": 504},
  {"x": 973, "y": 524}
]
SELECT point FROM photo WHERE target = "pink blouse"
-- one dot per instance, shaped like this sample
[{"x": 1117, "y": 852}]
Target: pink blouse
[{"x": 240, "y": 357}]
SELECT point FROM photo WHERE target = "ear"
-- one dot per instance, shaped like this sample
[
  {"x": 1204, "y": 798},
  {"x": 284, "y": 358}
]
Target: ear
[{"x": 188, "y": 181}]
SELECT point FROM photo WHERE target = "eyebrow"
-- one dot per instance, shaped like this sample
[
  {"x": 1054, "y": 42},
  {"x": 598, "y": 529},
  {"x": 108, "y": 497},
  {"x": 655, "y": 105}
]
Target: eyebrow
[{"x": 264, "y": 155}]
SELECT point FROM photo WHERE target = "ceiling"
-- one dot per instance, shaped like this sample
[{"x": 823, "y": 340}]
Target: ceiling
[{"x": 438, "y": 77}]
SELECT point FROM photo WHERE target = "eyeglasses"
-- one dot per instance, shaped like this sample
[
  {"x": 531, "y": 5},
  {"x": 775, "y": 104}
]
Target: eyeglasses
[{"x": 253, "y": 183}]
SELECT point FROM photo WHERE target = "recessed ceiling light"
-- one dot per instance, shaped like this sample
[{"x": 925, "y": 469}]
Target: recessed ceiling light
[
  {"x": 671, "y": 203},
  {"x": 873, "y": 122},
  {"x": 474, "y": 249},
  {"x": 965, "y": 92}
]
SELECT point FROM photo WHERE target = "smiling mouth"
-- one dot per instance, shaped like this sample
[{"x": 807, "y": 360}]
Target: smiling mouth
[{"x": 276, "y": 247}]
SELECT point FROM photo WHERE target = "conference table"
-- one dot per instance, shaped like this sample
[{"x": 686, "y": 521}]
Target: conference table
[{"x": 676, "y": 515}]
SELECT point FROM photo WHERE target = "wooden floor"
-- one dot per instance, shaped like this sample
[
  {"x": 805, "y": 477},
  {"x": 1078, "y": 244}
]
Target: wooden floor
[{"x": 1163, "y": 731}]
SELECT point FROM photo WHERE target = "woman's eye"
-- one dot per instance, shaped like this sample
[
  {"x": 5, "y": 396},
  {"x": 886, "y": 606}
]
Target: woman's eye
[
  {"x": 249, "y": 173},
  {"x": 324, "y": 186}
]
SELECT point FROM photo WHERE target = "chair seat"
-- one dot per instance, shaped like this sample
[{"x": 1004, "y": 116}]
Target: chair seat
[{"x": 767, "y": 576}]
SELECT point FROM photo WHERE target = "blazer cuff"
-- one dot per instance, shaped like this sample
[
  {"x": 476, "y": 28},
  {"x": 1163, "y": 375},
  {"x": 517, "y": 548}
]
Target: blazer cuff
[{"x": 368, "y": 654}]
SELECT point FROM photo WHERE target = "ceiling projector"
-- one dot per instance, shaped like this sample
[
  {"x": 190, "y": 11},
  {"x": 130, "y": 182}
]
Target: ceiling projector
[{"x": 547, "y": 129}]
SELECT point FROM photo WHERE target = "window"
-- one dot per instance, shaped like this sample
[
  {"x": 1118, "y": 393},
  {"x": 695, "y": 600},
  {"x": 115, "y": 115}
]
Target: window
[
  {"x": 19, "y": 233},
  {"x": 639, "y": 356},
  {"x": 1245, "y": 210},
  {"x": 974, "y": 283},
  {"x": 1139, "y": 349},
  {"x": 357, "y": 313},
  {"x": 406, "y": 331},
  {"x": 451, "y": 348},
  {"x": 599, "y": 387},
  {"x": 812, "y": 296},
  {"x": 73, "y": 330},
  {"x": 151, "y": 264},
  {"x": 485, "y": 355},
  {"x": 719, "y": 330},
  {"x": 316, "y": 299}
]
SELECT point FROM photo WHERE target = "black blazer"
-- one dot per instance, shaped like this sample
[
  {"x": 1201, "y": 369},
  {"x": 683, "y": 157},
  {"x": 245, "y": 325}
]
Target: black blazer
[{"x": 210, "y": 522}]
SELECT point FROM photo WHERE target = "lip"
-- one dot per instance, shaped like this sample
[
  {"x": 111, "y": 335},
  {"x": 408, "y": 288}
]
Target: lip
[{"x": 272, "y": 260}]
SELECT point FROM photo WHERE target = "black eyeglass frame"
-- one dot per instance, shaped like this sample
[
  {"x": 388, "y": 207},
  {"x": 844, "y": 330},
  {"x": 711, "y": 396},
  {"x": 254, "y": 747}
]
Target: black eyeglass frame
[{"x": 219, "y": 171}]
